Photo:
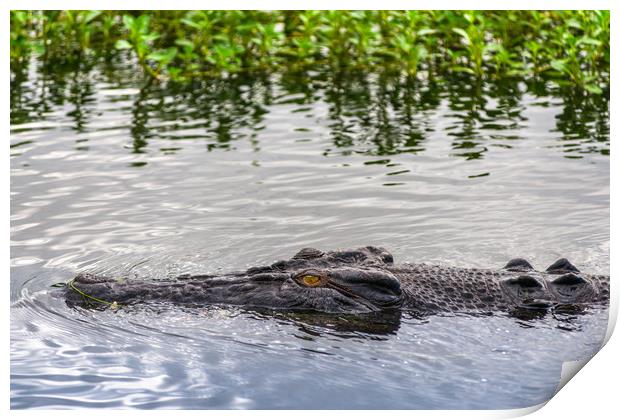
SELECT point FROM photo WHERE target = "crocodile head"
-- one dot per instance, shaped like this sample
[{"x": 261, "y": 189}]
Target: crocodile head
[{"x": 353, "y": 281}]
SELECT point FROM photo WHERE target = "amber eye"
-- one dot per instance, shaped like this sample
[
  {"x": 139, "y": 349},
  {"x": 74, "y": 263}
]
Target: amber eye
[{"x": 311, "y": 281}]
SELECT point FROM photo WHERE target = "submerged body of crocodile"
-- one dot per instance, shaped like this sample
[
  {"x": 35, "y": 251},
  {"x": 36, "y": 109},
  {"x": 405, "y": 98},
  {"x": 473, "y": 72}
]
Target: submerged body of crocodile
[{"x": 357, "y": 281}]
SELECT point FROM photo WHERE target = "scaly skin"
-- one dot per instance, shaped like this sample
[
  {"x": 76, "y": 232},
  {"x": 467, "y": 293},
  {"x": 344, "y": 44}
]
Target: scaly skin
[
  {"x": 358, "y": 281},
  {"x": 446, "y": 289}
]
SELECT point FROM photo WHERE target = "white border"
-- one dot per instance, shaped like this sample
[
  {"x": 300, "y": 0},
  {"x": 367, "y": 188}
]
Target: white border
[
  {"x": 591, "y": 395},
  {"x": 316, "y": 4}
]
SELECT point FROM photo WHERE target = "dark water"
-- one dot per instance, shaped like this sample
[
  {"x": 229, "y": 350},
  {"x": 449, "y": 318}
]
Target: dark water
[{"x": 112, "y": 175}]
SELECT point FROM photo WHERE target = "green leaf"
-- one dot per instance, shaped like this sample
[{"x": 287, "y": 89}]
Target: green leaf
[
  {"x": 21, "y": 16},
  {"x": 191, "y": 23},
  {"x": 163, "y": 56},
  {"x": 574, "y": 23},
  {"x": 122, "y": 44},
  {"x": 91, "y": 15},
  {"x": 150, "y": 37},
  {"x": 493, "y": 47},
  {"x": 463, "y": 34},
  {"x": 426, "y": 31},
  {"x": 462, "y": 69},
  {"x": 516, "y": 72},
  {"x": 142, "y": 23},
  {"x": 184, "y": 43},
  {"x": 559, "y": 65},
  {"x": 128, "y": 21},
  {"x": 590, "y": 41},
  {"x": 593, "y": 89}
]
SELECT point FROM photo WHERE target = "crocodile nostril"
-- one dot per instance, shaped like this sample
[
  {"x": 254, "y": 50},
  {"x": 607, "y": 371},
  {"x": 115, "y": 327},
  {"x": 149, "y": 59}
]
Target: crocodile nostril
[
  {"x": 85, "y": 278},
  {"x": 526, "y": 292},
  {"x": 569, "y": 279},
  {"x": 571, "y": 288},
  {"x": 525, "y": 281}
]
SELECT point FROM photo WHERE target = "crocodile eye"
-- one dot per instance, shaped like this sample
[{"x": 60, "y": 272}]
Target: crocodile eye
[
  {"x": 311, "y": 281},
  {"x": 311, "y": 278}
]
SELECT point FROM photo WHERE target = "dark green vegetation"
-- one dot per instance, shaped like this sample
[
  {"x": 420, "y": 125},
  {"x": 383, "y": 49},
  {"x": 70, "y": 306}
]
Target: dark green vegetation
[{"x": 567, "y": 47}]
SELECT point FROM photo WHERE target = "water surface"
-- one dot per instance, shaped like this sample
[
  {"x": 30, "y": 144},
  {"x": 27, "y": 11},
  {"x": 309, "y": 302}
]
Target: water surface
[{"x": 116, "y": 176}]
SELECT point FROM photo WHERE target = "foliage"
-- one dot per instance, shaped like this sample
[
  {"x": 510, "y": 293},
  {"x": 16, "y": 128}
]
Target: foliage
[{"x": 568, "y": 47}]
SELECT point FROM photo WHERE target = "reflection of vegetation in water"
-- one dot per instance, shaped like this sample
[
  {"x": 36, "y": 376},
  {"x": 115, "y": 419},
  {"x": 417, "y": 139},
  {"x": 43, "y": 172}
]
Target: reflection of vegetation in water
[
  {"x": 373, "y": 114},
  {"x": 565, "y": 46},
  {"x": 495, "y": 107},
  {"x": 584, "y": 123}
]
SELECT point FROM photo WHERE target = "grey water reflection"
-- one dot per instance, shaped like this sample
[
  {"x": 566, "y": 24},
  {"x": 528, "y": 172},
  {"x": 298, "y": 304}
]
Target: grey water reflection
[
  {"x": 368, "y": 114},
  {"x": 119, "y": 176}
]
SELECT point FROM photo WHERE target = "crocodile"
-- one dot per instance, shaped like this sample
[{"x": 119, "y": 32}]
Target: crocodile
[{"x": 361, "y": 280}]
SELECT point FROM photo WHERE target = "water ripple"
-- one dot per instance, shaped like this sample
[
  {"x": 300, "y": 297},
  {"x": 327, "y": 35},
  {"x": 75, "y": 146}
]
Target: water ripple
[{"x": 157, "y": 181}]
